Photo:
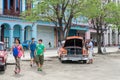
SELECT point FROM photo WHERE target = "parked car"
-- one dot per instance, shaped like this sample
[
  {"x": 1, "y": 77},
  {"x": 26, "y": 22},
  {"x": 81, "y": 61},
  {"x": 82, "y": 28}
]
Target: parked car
[
  {"x": 3, "y": 56},
  {"x": 26, "y": 44},
  {"x": 72, "y": 49}
]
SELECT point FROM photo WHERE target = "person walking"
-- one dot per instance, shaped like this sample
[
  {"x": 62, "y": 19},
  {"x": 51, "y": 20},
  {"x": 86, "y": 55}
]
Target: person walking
[
  {"x": 32, "y": 52},
  {"x": 90, "y": 51},
  {"x": 18, "y": 52},
  {"x": 40, "y": 49}
]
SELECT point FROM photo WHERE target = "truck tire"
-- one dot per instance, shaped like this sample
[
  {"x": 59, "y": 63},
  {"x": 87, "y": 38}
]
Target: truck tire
[{"x": 84, "y": 61}]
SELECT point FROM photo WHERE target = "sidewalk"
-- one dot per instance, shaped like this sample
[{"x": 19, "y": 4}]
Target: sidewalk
[
  {"x": 47, "y": 55},
  {"x": 108, "y": 49},
  {"x": 53, "y": 53}
]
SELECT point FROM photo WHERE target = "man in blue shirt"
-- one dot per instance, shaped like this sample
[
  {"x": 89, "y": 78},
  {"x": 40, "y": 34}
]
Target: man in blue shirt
[{"x": 32, "y": 52}]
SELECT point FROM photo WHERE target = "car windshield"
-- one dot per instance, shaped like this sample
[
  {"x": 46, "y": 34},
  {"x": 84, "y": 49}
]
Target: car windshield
[{"x": 1, "y": 47}]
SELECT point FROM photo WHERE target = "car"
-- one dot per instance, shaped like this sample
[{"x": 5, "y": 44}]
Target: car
[
  {"x": 3, "y": 56},
  {"x": 26, "y": 44},
  {"x": 72, "y": 49}
]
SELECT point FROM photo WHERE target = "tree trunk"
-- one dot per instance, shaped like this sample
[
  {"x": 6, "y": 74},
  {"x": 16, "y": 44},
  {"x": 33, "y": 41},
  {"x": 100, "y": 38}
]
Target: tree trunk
[
  {"x": 99, "y": 46},
  {"x": 99, "y": 42},
  {"x": 61, "y": 34}
]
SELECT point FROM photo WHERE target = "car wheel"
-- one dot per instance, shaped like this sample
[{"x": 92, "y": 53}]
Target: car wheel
[{"x": 3, "y": 68}]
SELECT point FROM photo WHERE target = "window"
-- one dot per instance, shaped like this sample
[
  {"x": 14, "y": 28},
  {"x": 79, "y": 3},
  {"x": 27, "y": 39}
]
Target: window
[
  {"x": 5, "y": 4},
  {"x": 11, "y": 4}
]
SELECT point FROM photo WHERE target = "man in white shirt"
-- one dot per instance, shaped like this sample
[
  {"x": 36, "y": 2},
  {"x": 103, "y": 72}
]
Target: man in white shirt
[{"x": 90, "y": 51}]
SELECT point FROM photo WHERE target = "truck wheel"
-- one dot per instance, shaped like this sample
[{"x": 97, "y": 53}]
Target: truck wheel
[{"x": 84, "y": 61}]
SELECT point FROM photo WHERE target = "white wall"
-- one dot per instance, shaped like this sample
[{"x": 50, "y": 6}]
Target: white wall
[
  {"x": 1, "y": 6},
  {"x": 46, "y": 34},
  {"x": 23, "y": 5}
]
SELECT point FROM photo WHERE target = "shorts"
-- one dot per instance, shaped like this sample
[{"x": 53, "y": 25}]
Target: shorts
[
  {"x": 40, "y": 59},
  {"x": 32, "y": 55},
  {"x": 90, "y": 54}
]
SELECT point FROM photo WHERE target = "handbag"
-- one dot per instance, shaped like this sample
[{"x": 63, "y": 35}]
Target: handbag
[{"x": 20, "y": 54}]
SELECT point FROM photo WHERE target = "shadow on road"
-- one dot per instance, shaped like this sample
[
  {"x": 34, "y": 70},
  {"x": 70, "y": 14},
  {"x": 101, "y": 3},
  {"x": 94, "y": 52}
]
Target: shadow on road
[
  {"x": 2, "y": 72},
  {"x": 17, "y": 75}
]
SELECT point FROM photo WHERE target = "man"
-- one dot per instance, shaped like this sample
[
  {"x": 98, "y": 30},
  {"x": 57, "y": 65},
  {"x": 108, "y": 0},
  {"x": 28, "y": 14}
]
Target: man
[
  {"x": 32, "y": 52},
  {"x": 90, "y": 51},
  {"x": 40, "y": 49}
]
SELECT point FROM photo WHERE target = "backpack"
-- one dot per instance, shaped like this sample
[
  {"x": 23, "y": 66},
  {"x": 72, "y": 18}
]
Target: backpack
[{"x": 15, "y": 51}]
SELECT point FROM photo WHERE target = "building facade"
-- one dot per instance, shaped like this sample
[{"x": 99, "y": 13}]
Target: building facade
[{"x": 11, "y": 27}]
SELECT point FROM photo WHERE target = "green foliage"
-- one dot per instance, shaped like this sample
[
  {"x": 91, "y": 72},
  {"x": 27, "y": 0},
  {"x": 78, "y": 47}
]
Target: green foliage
[
  {"x": 109, "y": 12},
  {"x": 52, "y": 10}
]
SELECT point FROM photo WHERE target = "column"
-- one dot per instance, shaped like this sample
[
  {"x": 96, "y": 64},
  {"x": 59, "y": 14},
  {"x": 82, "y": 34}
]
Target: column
[
  {"x": 11, "y": 38},
  {"x": 1, "y": 6},
  {"x": 116, "y": 37},
  {"x": 20, "y": 5},
  {"x": 23, "y": 5},
  {"x": 110, "y": 37},
  {"x": 0, "y": 32},
  {"x": 8, "y": 4},
  {"x": 104, "y": 39},
  {"x": 15, "y": 5},
  {"x": 34, "y": 31},
  {"x": 107, "y": 38},
  {"x": 87, "y": 34},
  {"x": 119, "y": 39},
  {"x": 22, "y": 35}
]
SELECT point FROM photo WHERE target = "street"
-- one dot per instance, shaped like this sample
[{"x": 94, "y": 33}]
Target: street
[{"x": 105, "y": 67}]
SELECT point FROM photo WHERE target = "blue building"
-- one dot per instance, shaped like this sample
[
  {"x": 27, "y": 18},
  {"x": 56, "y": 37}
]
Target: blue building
[{"x": 11, "y": 26}]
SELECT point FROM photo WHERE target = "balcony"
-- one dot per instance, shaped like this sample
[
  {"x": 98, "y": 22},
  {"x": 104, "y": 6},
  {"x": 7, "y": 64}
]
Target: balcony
[{"x": 11, "y": 12}]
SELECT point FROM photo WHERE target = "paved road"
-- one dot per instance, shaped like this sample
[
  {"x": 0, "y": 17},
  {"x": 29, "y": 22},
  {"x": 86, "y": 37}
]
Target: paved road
[
  {"x": 105, "y": 67},
  {"x": 53, "y": 53}
]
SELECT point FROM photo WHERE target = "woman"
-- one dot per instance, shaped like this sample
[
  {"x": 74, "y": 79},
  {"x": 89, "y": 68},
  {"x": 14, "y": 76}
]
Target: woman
[{"x": 20, "y": 53}]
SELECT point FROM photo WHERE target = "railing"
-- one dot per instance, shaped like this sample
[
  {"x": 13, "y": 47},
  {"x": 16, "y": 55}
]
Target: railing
[
  {"x": 9, "y": 16},
  {"x": 11, "y": 12}
]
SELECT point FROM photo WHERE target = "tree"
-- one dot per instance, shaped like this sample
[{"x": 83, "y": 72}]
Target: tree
[
  {"x": 59, "y": 12},
  {"x": 116, "y": 19},
  {"x": 101, "y": 14}
]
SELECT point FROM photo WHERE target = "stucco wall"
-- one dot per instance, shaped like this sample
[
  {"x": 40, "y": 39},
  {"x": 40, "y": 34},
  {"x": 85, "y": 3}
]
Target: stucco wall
[
  {"x": 1, "y": 6},
  {"x": 46, "y": 34}
]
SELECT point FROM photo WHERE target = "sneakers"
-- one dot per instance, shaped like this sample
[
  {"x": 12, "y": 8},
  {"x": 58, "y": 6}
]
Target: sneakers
[
  {"x": 31, "y": 65},
  {"x": 39, "y": 69},
  {"x": 17, "y": 71}
]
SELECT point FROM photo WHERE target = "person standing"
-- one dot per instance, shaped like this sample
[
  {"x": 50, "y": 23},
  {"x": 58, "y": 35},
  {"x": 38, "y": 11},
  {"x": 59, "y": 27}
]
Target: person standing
[
  {"x": 18, "y": 51},
  {"x": 32, "y": 52},
  {"x": 40, "y": 49},
  {"x": 90, "y": 51}
]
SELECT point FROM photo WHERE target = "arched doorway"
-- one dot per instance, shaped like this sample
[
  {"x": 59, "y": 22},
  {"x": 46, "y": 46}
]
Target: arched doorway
[
  {"x": 5, "y": 34},
  {"x": 17, "y": 32},
  {"x": 28, "y": 33}
]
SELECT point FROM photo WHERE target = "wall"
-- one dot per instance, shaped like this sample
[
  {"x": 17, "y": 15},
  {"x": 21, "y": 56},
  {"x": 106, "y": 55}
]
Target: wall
[
  {"x": 1, "y": 6},
  {"x": 46, "y": 34}
]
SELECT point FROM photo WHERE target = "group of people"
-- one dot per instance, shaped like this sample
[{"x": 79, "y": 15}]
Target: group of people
[{"x": 36, "y": 54}]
